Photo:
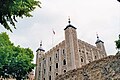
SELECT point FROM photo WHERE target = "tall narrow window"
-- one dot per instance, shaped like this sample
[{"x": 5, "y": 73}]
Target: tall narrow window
[
  {"x": 56, "y": 65},
  {"x": 63, "y": 51},
  {"x": 50, "y": 68},
  {"x": 50, "y": 58},
  {"x": 64, "y": 62},
  {"x": 81, "y": 59},
  {"x": 49, "y": 77},
  {"x": 56, "y": 55}
]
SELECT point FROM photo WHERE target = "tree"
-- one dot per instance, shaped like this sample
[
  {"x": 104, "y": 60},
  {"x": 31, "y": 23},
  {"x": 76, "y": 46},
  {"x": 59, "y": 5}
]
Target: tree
[
  {"x": 10, "y": 9},
  {"x": 118, "y": 43},
  {"x": 14, "y": 61}
]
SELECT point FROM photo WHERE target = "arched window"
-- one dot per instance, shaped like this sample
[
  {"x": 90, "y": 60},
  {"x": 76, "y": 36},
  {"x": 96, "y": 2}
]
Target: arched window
[
  {"x": 64, "y": 71},
  {"x": 56, "y": 74}
]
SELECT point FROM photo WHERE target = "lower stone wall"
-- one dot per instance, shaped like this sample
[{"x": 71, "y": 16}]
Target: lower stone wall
[{"x": 104, "y": 69}]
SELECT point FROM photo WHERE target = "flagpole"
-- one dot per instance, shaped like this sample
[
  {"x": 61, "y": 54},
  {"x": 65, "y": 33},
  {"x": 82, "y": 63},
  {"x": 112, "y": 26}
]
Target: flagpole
[
  {"x": 53, "y": 33},
  {"x": 52, "y": 39}
]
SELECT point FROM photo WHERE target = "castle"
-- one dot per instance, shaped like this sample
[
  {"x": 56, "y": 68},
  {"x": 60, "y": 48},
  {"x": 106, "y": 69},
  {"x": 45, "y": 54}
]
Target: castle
[{"x": 69, "y": 54}]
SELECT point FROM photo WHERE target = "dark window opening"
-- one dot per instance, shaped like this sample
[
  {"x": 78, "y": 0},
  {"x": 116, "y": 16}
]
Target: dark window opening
[
  {"x": 87, "y": 53},
  {"x": 64, "y": 62},
  {"x": 50, "y": 58},
  {"x": 82, "y": 51},
  {"x": 81, "y": 59},
  {"x": 64, "y": 71},
  {"x": 56, "y": 55},
  {"x": 56, "y": 65},
  {"x": 58, "y": 50},
  {"x": 50, "y": 68},
  {"x": 56, "y": 74},
  {"x": 63, "y": 51},
  {"x": 49, "y": 77},
  {"x": 95, "y": 57}
]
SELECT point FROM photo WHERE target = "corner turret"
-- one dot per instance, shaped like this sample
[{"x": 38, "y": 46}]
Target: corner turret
[
  {"x": 40, "y": 54},
  {"x": 40, "y": 48},
  {"x": 100, "y": 45}
]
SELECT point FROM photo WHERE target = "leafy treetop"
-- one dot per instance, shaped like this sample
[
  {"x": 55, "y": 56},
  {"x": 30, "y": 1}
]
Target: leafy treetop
[
  {"x": 14, "y": 61},
  {"x": 118, "y": 43},
  {"x": 10, "y": 9}
]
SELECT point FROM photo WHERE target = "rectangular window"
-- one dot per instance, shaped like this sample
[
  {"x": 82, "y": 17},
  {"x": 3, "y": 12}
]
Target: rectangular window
[
  {"x": 56, "y": 65},
  {"x": 56, "y": 55},
  {"x": 49, "y": 77},
  {"x": 50, "y": 68},
  {"x": 50, "y": 58},
  {"x": 64, "y": 62}
]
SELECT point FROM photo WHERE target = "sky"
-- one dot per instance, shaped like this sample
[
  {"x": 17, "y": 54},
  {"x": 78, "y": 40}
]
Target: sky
[{"x": 88, "y": 16}]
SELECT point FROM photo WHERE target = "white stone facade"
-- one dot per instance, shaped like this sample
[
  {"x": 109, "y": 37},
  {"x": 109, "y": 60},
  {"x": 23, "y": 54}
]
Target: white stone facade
[{"x": 69, "y": 54}]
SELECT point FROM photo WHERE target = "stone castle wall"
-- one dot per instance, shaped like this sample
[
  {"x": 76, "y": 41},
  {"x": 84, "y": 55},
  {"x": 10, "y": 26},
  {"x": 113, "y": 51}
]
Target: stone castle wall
[{"x": 107, "y": 68}]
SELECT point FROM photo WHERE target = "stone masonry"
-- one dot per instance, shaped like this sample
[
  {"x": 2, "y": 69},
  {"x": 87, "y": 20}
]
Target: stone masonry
[{"x": 107, "y": 68}]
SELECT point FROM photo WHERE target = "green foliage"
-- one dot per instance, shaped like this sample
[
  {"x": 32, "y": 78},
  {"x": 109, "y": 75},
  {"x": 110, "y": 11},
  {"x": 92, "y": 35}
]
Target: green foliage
[
  {"x": 10, "y": 9},
  {"x": 14, "y": 61},
  {"x": 118, "y": 43}
]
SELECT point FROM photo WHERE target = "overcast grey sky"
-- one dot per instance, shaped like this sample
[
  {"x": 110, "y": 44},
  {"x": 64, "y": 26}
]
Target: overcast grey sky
[{"x": 88, "y": 16}]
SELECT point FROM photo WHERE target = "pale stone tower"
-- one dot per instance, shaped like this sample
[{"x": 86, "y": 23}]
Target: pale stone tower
[
  {"x": 71, "y": 46},
  {"x": 40, "y": 53},
  {"x": 100, "y": 45}
]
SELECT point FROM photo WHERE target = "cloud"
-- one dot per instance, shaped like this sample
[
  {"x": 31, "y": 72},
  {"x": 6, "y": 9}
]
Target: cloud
[{"x": 88, "y": 16}]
